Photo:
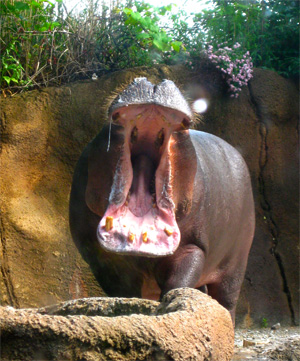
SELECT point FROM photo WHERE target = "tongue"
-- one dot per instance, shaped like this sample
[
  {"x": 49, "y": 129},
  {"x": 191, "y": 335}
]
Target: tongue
[{"x": 140, "y": 200}]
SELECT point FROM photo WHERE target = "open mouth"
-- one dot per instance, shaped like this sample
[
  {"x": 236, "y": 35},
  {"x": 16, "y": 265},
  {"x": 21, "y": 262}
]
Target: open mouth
[{"x": 140, "y": 217}]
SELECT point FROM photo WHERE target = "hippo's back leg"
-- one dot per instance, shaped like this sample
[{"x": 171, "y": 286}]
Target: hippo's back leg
[{"x": 227, "y": 290}]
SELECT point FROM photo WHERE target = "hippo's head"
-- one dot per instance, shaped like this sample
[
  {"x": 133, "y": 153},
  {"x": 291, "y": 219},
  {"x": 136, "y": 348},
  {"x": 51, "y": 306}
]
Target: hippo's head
[{"x": 140, "y": 216}]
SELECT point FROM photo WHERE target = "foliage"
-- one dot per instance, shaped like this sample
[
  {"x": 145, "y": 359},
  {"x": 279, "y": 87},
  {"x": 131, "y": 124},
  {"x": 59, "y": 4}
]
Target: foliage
[
  {"x": 268, "y": 29},
  {"x": 144, "y": 26},
  {"x": 26, "y": 39},
  {"x": 43, "y": 44},
  {"x": 12, "y": 70},
  {"x": 264, "y": 323}
]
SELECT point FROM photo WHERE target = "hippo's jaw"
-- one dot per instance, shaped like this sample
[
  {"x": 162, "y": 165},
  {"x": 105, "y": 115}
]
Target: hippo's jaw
[{"x": 140, "y": 218}]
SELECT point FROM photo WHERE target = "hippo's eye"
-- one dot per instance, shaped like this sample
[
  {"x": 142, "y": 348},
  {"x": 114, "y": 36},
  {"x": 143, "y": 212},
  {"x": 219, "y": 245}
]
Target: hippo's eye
[
  {"x": 115, "y": 116},
  {"x": 186, "y": 123}
]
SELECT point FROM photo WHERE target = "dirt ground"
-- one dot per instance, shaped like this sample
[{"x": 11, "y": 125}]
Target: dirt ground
[{"x": 266, "y": 344}]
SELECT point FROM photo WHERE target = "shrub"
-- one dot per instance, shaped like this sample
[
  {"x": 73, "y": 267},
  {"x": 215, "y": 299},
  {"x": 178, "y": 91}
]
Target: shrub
[
  {"x": 27, "y": 40},
  {"x": 268, "y": 29},
  {"x": 236, "y": 66},
  {"x": 42, "y": 44}
]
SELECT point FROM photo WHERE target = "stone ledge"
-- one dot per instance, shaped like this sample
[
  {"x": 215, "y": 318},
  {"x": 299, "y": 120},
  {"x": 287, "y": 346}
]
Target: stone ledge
[{"x": 186, "y": 325}]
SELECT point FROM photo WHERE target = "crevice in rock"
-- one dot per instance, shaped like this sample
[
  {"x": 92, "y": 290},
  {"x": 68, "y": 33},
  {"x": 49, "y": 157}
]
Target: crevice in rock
[
  {"x": 266, "y": 206},
  {"x": 13, "y": 300}
]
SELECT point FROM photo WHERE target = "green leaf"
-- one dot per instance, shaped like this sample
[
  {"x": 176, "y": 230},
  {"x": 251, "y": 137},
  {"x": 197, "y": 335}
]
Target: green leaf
[
  {"x": 157, "y": 44},
  {"x": 136, "y": 16},
  {"x": 21, "y": 6},
  {"x": 12, "y": 67},
  {"x": 7, "y": 79},
  {"x": 127, "y": 11},
  {"x": 35, "y": 4},
  {"x": 53, "y": 25},
  {"x": 176, "y": 45},
  {"x": 146, "y": 23},
  {"x": 143, "y": 36}
]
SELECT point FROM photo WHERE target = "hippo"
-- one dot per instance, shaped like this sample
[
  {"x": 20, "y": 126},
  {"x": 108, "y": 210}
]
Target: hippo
[{"x": 156, "y": 205}]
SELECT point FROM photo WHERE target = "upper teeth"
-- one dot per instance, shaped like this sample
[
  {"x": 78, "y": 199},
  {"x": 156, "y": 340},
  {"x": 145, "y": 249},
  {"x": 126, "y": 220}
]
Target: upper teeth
[{"x": 108, "y": 223}]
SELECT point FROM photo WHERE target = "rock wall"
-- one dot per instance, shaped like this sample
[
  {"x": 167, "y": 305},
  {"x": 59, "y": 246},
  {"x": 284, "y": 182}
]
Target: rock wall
[{"x": 44, "y": 132}]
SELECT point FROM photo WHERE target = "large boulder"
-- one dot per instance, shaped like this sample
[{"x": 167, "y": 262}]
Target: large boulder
[
  {"x": 186, "y": 325},
  {"x": 44, "y": 132}
]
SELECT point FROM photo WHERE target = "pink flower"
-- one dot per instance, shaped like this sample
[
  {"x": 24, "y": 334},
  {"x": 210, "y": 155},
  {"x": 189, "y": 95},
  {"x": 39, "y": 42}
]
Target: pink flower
[{"x": 236, "y": 67}]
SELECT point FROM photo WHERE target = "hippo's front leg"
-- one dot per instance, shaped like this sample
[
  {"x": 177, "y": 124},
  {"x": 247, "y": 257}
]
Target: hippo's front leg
[{"x": 182, "y": 269}]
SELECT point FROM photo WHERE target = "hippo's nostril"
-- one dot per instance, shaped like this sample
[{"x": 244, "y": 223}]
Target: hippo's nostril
[
  {"x": 160, "y": 138},
  {"x": 134, "y": 135}
]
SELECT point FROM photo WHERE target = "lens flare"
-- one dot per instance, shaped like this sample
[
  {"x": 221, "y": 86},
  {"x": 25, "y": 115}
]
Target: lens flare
[{"x": 200, "y": 105}]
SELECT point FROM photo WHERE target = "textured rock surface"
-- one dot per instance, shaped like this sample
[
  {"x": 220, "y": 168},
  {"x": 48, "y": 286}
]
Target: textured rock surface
[
  {"x": 43, "y": 134},
  {"x": 186, "y": 325}
]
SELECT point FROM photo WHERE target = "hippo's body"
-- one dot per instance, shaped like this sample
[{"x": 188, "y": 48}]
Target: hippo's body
[{"x": 156, "y": 206}]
